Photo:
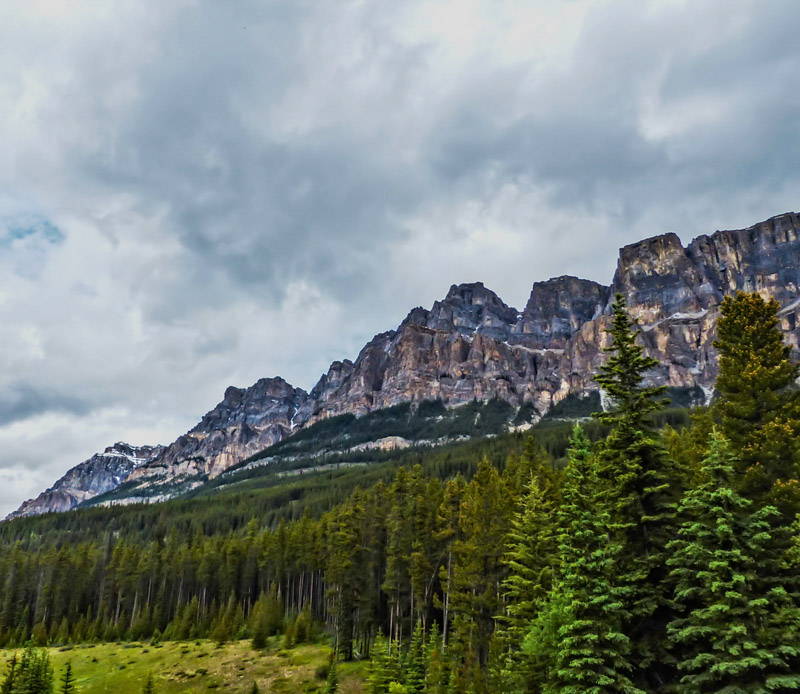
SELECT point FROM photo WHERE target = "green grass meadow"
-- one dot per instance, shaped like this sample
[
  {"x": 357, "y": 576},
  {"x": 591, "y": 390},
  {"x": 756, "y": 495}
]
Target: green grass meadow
[{"x": 201, "y": 666}]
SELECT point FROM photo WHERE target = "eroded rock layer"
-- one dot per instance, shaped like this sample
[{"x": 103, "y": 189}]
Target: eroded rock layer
[{"x": 472, "y": 345}]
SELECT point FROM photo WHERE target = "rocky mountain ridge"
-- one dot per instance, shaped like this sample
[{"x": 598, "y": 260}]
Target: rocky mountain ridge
[
  {"x": 99, "y": 474},
  {"x": 471, "y": 345}
]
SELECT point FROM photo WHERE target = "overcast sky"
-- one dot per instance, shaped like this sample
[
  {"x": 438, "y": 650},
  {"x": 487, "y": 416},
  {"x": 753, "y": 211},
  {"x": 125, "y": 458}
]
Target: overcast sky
[{"x": 200, "y": 194}]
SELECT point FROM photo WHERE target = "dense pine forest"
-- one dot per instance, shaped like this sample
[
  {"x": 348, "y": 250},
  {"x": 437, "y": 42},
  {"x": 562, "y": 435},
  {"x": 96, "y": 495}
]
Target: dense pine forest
[{"x": 638, "y": 551}]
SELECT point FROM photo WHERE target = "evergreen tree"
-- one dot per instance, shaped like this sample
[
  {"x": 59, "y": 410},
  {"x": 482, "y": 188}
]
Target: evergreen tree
[
  {"x": 381, "y": 667},
  {"x": 531, "y": 559},
  {"x": 254, "y": 689},
  {"x": 68, "y": 680},
  {"x": 758, "y": 408},
  {"x": 436, "y": 678},
  {"x": 416, "y": 662},
  {"x": 303, "y": 626},
  {"x": 12, "y": 667},
  {"x": 737, "y": 627},
  {"x": 266, "y": 618},
  {"x": 149, "y": 684},
  {"x": 449, "y": 535},
  {"x": 593, "y": 653},
  {"x": 35, "y": 673},
  {"x": 640, "y": 489},
  {"x": 533, "y": 463},
  {"x": 536, "y": 664},
  {"x": 579, "y": 494},
  {"x": 476, "y": 585},
  {"x": 332, "y": 682},
  {"x": 577, "y": 642}
]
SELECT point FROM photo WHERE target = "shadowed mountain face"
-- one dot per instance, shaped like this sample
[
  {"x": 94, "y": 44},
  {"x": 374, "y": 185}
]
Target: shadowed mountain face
[{"x": 471, "y": 345}]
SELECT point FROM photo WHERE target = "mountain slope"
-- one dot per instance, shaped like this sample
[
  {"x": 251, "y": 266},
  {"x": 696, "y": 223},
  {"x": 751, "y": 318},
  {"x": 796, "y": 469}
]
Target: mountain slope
[
  {"x": 244, "y": 423},
  {"x": 472, "y": 346},
  {"x": 99, "y": 474}
]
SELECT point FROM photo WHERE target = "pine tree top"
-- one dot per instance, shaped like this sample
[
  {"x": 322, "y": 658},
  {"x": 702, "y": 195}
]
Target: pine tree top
[{"x": 622, "y": 376}]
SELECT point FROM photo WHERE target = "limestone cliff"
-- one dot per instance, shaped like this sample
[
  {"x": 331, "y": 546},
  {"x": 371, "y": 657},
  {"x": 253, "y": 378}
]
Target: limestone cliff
[
  {"x": 471, "y": 345},
  {"x": 245, "y": 422}
]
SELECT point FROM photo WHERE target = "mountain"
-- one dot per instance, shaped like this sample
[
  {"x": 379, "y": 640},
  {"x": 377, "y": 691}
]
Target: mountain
[
  {"x": 99, "y": 474},
  {"x": 472, "y": 346},
  {"x": 244, "y": 423}
]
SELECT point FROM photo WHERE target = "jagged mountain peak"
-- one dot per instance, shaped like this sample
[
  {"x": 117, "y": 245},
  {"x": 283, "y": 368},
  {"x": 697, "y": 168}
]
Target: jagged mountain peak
[
  {"x": 474, "y": 293},
  {"x": 250, "y": 404},
  {"x": 97, "y": 475},
  {"x": 472, "y": 308},
  {"x": 471, "y": 345},
  {"x": 120, "y": 447},
  {"x": 658, "y": 243},
  {"x": 558, "y": 307}
]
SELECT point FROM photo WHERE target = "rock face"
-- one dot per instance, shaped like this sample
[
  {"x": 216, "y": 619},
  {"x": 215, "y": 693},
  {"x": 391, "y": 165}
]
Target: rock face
[
  {"x": 245, "y": 422},
  {"x": 99, "y": 474},
  {"x": 472, "y": 345},
  {"x": 558, "y": 308}
]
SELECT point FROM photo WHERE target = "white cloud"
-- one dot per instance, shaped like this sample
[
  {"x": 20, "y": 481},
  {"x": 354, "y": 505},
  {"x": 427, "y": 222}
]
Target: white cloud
[{"x": 253, "y": 189}]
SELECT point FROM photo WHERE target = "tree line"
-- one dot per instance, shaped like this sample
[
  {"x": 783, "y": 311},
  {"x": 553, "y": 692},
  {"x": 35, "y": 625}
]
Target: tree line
[{"x": 654, "y": 560}]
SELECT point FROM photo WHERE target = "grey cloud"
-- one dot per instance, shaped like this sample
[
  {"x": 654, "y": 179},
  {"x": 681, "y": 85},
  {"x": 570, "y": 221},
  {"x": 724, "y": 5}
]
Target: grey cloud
[
  {"x": 250, "y": 188},
  {"x": 21, "y": 401},
  {"x": 582, "y": 134}
]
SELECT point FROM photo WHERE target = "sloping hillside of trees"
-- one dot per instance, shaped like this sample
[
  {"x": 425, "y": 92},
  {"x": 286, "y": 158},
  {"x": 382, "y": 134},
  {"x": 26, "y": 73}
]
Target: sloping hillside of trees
[{"x": 620, "y": 556}]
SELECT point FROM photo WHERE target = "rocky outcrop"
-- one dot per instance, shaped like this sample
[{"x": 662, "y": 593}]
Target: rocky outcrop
[
  {"x": 471, "y": 345},
  {"x": 99, "y": 474},
  {"x": 558, "y": 308},
  {"x": 247, "y": 421}
]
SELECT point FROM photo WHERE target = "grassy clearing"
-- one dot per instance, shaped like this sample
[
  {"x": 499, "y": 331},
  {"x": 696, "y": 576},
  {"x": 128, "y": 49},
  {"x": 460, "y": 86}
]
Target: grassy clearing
[{"x": 114, "y": 668}]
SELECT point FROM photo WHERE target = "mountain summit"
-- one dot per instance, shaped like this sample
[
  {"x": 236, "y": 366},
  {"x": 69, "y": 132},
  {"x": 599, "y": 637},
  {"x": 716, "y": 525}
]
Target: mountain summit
[{"x": 471, "y": 345}]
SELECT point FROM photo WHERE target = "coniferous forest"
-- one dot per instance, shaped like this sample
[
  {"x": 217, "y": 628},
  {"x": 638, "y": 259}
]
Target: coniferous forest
[{"x": 643, "y": 558}]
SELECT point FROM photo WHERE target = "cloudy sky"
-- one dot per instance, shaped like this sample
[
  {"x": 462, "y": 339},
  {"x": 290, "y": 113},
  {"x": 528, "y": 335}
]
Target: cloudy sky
[{"x": 199, "y": 194}]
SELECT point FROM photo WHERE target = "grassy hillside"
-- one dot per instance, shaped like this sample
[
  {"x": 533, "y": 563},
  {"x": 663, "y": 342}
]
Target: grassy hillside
[{"x": 201, "y": 666}]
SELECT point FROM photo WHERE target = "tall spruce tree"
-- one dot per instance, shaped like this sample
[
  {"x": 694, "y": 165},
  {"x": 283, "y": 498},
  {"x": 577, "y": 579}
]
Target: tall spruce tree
[
  {"x": 577, "y": 641},
  {"x": 737, "y": 624},
  {"x": 478, "y": 570},
  {"x": 531, "y": 559},
  {"x": 758, "y": 407},
  {"x": 579, "y": 494},
  {"x": 640, "y": 491},
  {"x": 592, "y": 652},
  {"x": 383, "y": 667},
  {"x": 416, "y": 661}
]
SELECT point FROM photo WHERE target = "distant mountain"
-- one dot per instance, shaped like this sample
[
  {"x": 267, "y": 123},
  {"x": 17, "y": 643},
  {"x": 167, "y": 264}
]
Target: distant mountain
[
  {"x": 472, "y": 346},
  {"x": 99, "y": 474}
]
